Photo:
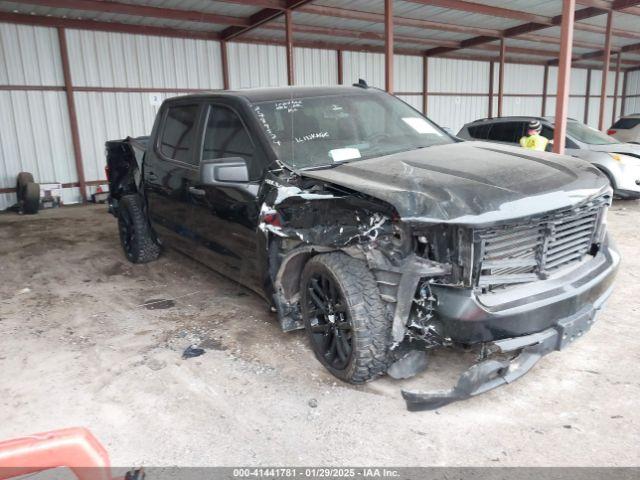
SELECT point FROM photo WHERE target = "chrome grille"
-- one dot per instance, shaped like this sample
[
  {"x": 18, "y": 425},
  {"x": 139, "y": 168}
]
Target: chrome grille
[{"x": 521, "y": 253}]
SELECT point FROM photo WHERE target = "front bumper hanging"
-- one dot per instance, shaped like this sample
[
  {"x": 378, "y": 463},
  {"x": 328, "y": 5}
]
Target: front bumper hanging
[{"x": 492, "y": 373}]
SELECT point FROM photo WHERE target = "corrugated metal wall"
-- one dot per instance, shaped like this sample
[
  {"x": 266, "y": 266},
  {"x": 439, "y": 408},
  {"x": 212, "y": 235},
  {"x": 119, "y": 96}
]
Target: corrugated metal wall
[
  {"x": 313, "y": 66},
  {"x": 30, "y": 56},
  {"x": 101, "y": 59},
  {"x": 367, "y": 65},
  {"x": 253, "y": 65},
  {"x": 465, "y": 85},
  {"x": 35, "y": 134},
  {"x": 117, "y": 60},
  {"x": 38, "y": 138},
  {"x": 633, "y": 88}
]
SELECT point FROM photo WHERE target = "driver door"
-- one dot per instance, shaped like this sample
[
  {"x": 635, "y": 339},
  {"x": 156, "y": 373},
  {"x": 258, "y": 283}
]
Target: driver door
[{"x": 224, "y": 217}]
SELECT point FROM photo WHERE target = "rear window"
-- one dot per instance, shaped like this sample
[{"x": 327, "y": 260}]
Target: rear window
[
  {"x": 510, "y": 132},
  {"x": 479, "y": 131},
  {"x": 626, "y": 123},
  {"x": 178, "y": 133}
]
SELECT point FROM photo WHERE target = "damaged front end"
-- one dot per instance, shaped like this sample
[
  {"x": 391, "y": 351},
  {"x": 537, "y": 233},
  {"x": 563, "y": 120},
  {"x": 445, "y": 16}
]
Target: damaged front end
[
  {"x": 513, "y": 291},
  {"x": 319, "y": 218}
]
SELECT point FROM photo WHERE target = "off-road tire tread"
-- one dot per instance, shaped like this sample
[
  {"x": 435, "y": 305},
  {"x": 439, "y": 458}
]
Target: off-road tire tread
[
  {"x": 372, "y": 328},
  {"x": 145, "y": 248}
]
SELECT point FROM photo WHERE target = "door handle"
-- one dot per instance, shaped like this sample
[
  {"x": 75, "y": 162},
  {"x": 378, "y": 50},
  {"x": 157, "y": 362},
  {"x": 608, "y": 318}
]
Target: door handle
[
  {"x": 196, "y": 191},
  {"x": 151, "y": 176}
]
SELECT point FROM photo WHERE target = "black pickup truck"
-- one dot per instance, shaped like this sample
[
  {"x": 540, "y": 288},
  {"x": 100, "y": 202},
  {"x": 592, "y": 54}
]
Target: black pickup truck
[{"x": 360, "y": 220}]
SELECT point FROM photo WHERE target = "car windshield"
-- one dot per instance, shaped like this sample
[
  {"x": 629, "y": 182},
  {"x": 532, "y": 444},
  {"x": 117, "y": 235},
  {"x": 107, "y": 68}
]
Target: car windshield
[
  {"x": 324, "y": 131},
  {"x": 589, "y": 135}
]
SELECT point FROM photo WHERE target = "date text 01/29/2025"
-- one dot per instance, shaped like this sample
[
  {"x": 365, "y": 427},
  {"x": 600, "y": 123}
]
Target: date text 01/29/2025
[{"x": 310, "y": 472}]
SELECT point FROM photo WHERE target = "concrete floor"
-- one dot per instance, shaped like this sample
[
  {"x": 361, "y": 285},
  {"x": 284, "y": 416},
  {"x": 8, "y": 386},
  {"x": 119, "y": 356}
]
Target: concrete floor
[{"x": 79, "y": 348}]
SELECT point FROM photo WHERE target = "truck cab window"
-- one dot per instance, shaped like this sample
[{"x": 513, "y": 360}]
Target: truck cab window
[
  {"x": 178, "y": 133},
  {"x": 226, "y": 136}
]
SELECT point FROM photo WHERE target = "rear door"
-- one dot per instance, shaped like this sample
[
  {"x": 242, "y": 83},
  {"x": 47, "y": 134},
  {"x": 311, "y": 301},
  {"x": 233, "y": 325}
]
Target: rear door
[
  {"x": 224, "y": 218},
  {"x": 170, "y": 169}
]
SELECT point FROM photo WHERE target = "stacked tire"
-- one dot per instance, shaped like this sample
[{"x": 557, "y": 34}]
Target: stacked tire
[{"x": 28, "y": 193}]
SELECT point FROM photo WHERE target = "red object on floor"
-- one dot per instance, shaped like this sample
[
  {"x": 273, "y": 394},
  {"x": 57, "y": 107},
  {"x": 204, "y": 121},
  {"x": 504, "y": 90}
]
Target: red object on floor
[{"x": 74, "y": 448}]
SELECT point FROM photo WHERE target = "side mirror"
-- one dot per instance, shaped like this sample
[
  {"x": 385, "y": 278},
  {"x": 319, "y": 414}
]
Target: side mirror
[{"x": 221, "y": 171}]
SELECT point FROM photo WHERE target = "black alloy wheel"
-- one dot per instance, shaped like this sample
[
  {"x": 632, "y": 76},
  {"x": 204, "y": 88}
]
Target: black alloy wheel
[{"x": 330, "y": 325}]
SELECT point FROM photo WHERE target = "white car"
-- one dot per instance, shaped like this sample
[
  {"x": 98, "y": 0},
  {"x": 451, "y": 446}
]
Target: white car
[
  {"x": 620, "y": 162},
  {"x": 627, "y": 129}
]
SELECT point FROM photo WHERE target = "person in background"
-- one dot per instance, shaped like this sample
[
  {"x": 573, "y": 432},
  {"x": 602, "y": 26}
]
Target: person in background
[{"x": 533, "y": 140}]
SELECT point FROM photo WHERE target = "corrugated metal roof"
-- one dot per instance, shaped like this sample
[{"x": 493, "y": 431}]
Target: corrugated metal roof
[
  {"x": 548, "y": 8},
  {"x": 108, "y": 17},
  {"x": 623, "y": 21},
  {"x": 336, "y": 22},
  {"x": 209, "y": 6},
  {"x": 402, "y": 8}
]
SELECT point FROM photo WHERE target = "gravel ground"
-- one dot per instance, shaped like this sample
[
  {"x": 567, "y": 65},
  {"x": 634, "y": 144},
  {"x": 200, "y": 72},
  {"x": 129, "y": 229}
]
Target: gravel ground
[{"x": 82, "y": 345}]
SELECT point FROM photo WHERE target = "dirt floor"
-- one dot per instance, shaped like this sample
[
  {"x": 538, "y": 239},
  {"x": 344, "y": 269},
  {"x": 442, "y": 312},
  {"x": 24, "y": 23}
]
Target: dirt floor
[{"x": 88, "y": 339}]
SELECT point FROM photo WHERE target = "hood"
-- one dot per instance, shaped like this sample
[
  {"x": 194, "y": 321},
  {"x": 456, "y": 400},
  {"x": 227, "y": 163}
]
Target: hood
[
  {"x": 617, "y": 148},
  {"x": 469, "y": 182}
]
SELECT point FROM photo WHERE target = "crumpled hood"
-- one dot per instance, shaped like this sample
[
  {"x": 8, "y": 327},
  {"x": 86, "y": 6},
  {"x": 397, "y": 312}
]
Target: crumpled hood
[{"x": 469, "y": 182}]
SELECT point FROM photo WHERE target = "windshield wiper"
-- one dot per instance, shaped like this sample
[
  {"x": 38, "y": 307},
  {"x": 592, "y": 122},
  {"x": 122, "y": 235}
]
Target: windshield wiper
[{"x": 322, "y": 167}]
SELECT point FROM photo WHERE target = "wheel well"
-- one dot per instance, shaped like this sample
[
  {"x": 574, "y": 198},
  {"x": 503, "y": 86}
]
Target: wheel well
[
  {"x": 608, "y": 174},
  {"x": 287, "y": 282}
]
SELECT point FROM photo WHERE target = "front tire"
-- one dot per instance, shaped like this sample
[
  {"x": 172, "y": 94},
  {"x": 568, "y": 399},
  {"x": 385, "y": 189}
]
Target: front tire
[
  {"x": 136, "y": 237},
  {"x": 344, "y": 317}
]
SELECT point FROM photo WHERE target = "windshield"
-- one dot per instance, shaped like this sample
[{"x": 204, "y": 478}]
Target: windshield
[
  {"x": 589, "y": 135},
  {"x": 325, "y": 131}
]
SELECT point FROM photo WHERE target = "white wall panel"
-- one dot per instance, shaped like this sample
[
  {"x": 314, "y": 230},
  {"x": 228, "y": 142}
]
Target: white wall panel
[
  {"x": 366, "y": 65},
  {"x": 633, "y": 83},
  {"x": 414, "y": 100},
  {"x": 29, "y": 55},
  {"x": 459, "y": 76},
  {"x": 596, "y": 83},
  {"x": 551, "y": 106},
  {"x": 575, "y": 108},
  {"x": 34, "y": 137},
  {"x": 106, "y": 116},
  {"x": 103, "y": 59},
  {"x": 633, "y": 88},
  {"x": 632, "y": 106},
  {"x": 594, "y": 109},
  {"x": 578, "y": 81},
  {"x": 453, "y": 112},
  {"x": 407, "y": 73},
  {"x": 252, "y": 65},
  {"x": 314, "y": 66},
  {"x": 527, "y": 106},
  {"x": 520, "y": 78}
]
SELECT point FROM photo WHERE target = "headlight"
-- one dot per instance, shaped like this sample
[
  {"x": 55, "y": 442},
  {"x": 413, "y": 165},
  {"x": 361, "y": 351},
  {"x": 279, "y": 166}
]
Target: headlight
[{"x": 616, "y": 157}]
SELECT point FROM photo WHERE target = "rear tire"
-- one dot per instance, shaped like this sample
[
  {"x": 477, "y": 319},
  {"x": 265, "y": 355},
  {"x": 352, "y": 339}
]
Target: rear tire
[
  {"x": 344, "y": 317},
  {"x": 31, "y": 198},
  {"x": 24, "y": 178},
  {"x": 136, "y": 236}
]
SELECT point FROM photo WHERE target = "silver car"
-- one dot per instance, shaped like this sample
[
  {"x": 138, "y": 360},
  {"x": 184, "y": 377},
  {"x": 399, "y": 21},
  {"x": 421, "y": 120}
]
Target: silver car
[{"x": 619, "y": 161}]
